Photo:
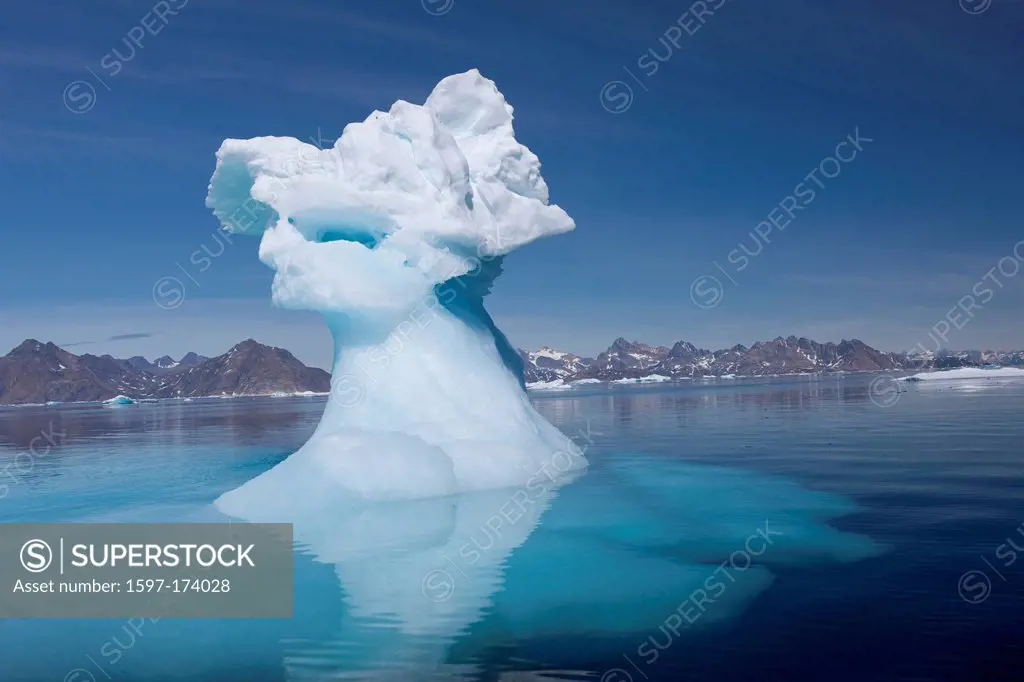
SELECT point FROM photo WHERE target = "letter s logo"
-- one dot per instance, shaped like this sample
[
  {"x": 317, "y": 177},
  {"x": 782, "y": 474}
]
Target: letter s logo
[{"x": 36, "y": 556}]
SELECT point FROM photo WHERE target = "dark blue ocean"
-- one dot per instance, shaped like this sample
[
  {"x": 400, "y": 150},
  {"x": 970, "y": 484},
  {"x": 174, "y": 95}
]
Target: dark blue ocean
[{"x": 798, "y": 529}]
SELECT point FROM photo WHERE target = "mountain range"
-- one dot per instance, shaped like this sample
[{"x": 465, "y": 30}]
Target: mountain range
[
  {"x": 36, "y": 372},
  {"x": 632, "y": 360}
]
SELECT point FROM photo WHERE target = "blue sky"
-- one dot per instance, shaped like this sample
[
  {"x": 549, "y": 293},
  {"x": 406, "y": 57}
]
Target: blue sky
[{"x": 101, "y": 204}]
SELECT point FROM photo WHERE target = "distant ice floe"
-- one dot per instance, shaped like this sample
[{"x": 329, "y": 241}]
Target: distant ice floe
[
  {"x": 968, "y": 373},
  {"x": 649, "y": 379},
  {"x": 556, "y": 385},
  {"x": 561, "y": 384}
]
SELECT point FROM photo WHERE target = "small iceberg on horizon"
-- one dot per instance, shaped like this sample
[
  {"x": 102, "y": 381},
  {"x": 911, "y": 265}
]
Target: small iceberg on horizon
[
  {"x": 119, "y": 401},
  {"x": 968, "y": 373},
  {"x": 555, "y": 385},
  {"x": 649, "y": 379}
]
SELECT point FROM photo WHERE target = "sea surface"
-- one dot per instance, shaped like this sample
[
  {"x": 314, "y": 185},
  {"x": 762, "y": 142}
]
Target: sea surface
[{"x": 797, "y": 529}]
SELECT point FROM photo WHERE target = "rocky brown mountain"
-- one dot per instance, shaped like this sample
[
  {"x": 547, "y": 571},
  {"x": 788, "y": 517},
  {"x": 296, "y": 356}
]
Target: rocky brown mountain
[
  {"x": 250, "y": 368},
  {"x": 792, "y": 355},
  {"x": 165, "y": 364},
  {"x": 625, "y": 358},
  {"x": 552, "y": 364},
  {"x": 37, "y": 372}
]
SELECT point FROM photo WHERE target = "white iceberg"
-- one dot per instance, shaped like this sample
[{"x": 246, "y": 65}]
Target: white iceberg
[
  {"x": 649, "y": 379},
  {"x": 396, "y": 234},
  {"x": 295, "y": 394},
  {"x": 554, "y": 385},
  {"x": 968, "y": 373},
  {"x": 120, "y": 400}
]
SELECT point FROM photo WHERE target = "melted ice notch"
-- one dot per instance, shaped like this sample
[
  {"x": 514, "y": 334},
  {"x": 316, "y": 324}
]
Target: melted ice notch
[{"x": 396, "y": 234}]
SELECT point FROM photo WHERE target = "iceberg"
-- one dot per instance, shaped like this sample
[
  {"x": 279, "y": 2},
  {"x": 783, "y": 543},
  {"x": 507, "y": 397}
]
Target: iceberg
[
  {"x": 396, "y": 234},
  {"x": 553, "y": 385},
  {"x": 649, "y": 379},
  {"x": 120, "y": 400},
  {"x": 968, "y": 373},
  {"x": 430, "y": 471}
]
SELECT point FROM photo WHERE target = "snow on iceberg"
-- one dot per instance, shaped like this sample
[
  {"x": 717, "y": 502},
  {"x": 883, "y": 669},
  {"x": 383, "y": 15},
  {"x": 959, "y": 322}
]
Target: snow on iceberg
[{"x": 396, "y": 234}]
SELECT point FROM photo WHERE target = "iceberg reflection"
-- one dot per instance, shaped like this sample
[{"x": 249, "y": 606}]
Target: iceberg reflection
[{"x": 628, "y": 559}]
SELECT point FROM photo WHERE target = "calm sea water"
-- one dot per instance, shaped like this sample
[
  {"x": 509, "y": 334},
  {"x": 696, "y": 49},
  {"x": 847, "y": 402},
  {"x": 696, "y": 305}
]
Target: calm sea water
[{"x": 782, "y": 530}]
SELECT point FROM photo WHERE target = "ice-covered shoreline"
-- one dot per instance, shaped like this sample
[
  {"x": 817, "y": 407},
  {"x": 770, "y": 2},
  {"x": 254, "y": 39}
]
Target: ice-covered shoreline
[{"x": 967, "y": 373}]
